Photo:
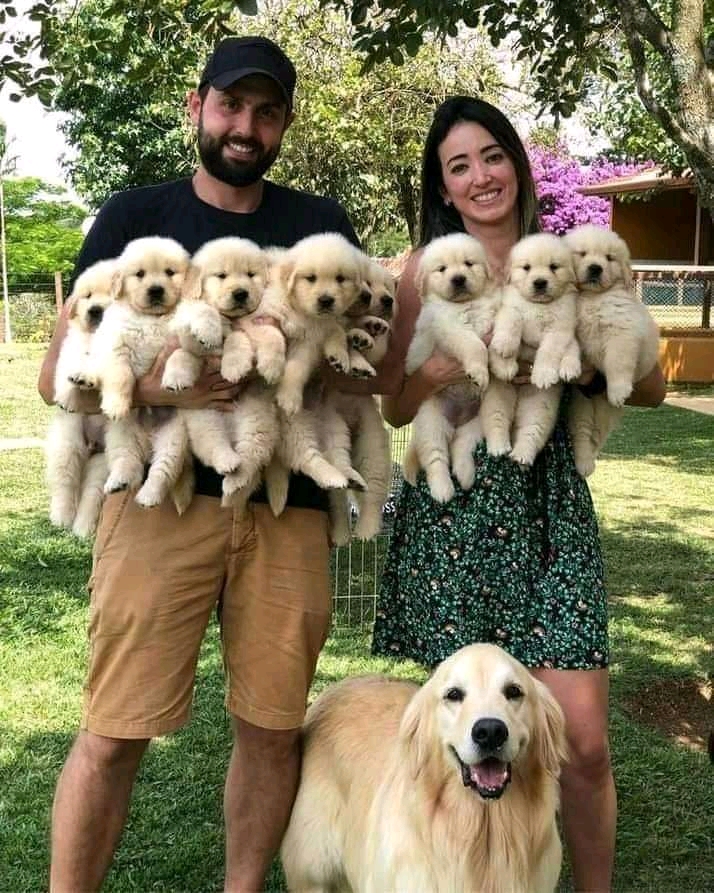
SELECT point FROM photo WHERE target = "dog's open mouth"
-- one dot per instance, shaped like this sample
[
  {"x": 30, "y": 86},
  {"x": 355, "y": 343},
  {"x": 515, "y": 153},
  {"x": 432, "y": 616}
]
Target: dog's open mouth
[{"x": 489, "y": 778}]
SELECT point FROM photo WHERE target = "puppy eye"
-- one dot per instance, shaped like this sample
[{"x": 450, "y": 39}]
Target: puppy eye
[
  {"x": 250, "y": 274},
  {"x": 221, "y": 275},
  {"x": 311, "y": 278},
  {"x": 140, "y": 274},
  {"x": 169, "y": 271},
  {"x": 554, "y": 268},
  {"x": 455, "y": 694},
  {"x": 527, "y": 267},
  {"x": 440, "y": 269},
  {"x": 513, "y": 692},
  {"x": 468, "y": 263},
  {"x": 610, "y": 257},
  {"x": 340, "y": 278},
  {"x": 581, "y": 253}
]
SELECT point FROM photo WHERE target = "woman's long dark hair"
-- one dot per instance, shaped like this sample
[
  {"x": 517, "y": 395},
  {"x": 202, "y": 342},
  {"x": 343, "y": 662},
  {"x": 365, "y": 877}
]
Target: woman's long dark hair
[{"x": 438, "y": 219}]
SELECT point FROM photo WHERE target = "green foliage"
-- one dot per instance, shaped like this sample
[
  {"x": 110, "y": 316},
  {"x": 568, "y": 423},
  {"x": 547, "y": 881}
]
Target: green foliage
[{"x": 42, "y": 229}]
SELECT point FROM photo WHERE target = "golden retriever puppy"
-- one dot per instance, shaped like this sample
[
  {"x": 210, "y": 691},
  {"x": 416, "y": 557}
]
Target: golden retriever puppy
[
  {"x": 459, "y": 304},
  {"x": 148, "y": 284},
  {"x": 369, "y": 326},
  {"x": 449, "y": 787},
  {"x": 316, "y": 281},
  {"x": 538, "y": 312},
  {"x": 355, "y": 436},
  {"x": 222, "y": 314},
  {"x": 74, "y": 451},
  {"x": 617, "y": 335}
]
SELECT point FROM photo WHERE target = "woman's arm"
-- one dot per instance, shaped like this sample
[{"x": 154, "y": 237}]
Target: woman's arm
[{"x": 650, "y": 390}]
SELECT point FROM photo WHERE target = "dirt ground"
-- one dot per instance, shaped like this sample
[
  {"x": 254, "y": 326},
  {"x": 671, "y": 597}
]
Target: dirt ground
[{"x": 682, "y": 709}]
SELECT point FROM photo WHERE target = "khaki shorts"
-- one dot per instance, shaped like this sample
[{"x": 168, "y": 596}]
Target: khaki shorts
[{"x": 156, "y": 579}]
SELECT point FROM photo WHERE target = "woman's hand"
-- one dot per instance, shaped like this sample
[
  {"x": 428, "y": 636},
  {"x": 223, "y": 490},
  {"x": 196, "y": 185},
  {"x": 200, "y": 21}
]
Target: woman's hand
[
  {"x": 440, "y": 371},
  {"x": 211, "y": 391}
]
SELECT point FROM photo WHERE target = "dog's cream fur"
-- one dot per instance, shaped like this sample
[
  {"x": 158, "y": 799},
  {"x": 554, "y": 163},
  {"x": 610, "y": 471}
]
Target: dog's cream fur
[
  {"x": 538, "y": 313},
  {"x": 75, "y": 461},
  {"x": 459, "y": 304},
  {"x": 150, "y": 276},
  {"x": 387, "y": 798},
  {"x": 617, "y": 335},
  {"x": 369, "y": 326}
]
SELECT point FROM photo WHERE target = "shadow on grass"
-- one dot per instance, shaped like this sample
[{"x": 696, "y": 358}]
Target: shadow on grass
[
  {"x": 677, "y": 438},
  {"x": 44, "y": 575}
]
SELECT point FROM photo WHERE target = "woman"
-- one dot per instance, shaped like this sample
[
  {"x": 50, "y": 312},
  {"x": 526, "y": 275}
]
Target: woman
[{"x": 516, "y": 560}]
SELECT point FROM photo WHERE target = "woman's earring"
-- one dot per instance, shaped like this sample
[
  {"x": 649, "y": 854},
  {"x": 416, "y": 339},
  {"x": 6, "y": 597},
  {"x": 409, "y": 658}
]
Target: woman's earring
[{"x": 447, "y": 202}]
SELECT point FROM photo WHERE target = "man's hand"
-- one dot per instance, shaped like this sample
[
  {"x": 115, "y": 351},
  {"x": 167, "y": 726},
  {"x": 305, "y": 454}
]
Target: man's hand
[{"x": 211, "y": 391}]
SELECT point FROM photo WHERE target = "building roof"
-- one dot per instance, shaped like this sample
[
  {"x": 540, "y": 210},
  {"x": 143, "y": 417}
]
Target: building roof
[{"x": 642, "y": 181}]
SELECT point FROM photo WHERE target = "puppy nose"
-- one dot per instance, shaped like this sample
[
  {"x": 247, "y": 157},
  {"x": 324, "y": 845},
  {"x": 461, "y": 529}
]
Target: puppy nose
[
  {"x": 594, "y": 271},
  {"x": 540, "y": 284},
  {"x": 489, "y": 734},
  {"x": 387, "y": 303},
  {"x": 365, "y": 297},
  {"x": 458, "y": 281},
  {"x": 95, "y": 313},
  {"x": 325, "y": 302},
  {"x": 155, "y": 293},
  {"x": 240, "y": 296}
]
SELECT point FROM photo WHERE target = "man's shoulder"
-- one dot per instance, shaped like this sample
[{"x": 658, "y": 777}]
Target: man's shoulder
[
  {"x": 295, "y": 213},
  {"x": 155, "y": 195}
]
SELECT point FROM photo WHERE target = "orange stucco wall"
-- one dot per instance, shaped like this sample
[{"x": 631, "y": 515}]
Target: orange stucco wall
[{"x": 687, "y": 355}]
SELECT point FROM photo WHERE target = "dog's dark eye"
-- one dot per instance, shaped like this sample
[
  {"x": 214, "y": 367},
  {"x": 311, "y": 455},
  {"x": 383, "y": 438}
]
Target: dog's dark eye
[
  {"x": 221, "y": 275},
  {"x": 169, "y": 271},
  {"x": 340, "y": 278},
  {"x": 140, "y": 274},
  {"x": 554, "y": 268},
  {"x": 468, "y": 263},
  {"x": 513, "y": 692},
  {"x": 581, "y": 253},
  {"x": 527, "y": 267},
  {"x": 250, "y": 274},
  {"x": 610, "y": 257},
  {"x": 455, "y": 694},
  {"x": 311, "y": 278},
  {"x": 440, "y": 269}
]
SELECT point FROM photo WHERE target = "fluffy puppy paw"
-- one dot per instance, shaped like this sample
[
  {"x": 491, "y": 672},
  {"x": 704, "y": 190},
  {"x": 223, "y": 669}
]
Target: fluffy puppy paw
[
  {"x": 544, "y": 376},
  {"x": 359, "y": 339},
  {"x": 235, "y": 366},
  {"x": 115, "y": 406},
  {"x": 618, "y": 392},
  {"x": 376, "y": 326}
]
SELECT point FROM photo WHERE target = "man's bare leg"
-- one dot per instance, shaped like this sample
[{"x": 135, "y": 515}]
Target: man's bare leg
[
  {"x": 90, "y": 808},
  {"x": 260, "y": 788}
]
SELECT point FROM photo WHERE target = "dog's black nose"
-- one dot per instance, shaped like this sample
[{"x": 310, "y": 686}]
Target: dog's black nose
[
  {"x": 155, "y": 293},
  {"x": 95, "y": 313},
  {"x": 325, "y": 302},
  {"x": 489, "y": 734},
  {"x": 365, "y": 297},
  {"x": 540, "y": 284},
  {"x": 594, "y": 271},
  {"x": 458, "y": 281},
  {"x": 387, "y": 303},
  {"x": 240, "y": 296}
]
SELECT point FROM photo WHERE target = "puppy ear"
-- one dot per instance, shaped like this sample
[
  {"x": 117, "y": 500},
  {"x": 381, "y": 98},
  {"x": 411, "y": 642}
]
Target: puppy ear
[
  {"x": 416, "y": 733},
  {"x": 550, "y": 745},
  {"x": 116, "y": 289},
  {"x": 286, "y": 274},
  {"x": 192, "y": 283},
  {"x": 73, "y": 302}
]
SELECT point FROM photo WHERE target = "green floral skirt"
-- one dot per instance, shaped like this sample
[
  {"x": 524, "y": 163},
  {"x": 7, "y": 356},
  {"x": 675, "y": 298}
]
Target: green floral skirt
[{"x": 515, "y": 561}]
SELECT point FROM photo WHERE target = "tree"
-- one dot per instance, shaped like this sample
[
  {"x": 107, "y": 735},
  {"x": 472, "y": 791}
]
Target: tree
[
  {"x": 42, "y": 229},
  {"x": 357, "y": 138},
  {"x": 668, "y": 46}
]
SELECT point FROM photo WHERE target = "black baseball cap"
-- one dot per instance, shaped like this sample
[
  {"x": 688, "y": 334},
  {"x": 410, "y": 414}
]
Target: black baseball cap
[{"x": 237, "y": 57}]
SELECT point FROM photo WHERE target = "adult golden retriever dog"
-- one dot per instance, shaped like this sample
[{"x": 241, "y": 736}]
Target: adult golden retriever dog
[{"x": 448, "y": 788}]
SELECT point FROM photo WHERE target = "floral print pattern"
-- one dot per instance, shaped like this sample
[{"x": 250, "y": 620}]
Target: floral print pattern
[{"x": 515, "y": 561}]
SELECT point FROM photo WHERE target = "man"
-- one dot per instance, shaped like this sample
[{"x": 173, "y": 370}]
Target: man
[{"x": 157, "y": 577}]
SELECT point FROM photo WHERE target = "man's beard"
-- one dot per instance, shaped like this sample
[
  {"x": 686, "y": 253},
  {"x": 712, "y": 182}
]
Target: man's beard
[{"x": 231, "y": 170}]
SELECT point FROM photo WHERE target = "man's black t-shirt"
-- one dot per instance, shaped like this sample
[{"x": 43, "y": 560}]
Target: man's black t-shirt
[{"x": 173, "y": 209}]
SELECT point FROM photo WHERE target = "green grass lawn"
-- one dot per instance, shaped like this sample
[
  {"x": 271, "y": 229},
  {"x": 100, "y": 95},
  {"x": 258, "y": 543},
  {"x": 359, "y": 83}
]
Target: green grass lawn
[{"x": 653, "y": 491}]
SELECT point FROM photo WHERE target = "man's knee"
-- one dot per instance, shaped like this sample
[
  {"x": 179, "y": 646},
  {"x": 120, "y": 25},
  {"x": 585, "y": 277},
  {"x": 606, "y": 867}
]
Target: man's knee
[
  {"x": 275, "y": 743},
  {"x": 102, "y": 754}
]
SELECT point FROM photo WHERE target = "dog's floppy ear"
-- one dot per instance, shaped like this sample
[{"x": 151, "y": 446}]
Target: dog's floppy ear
[
  {"x": 192, "y": 283},
  {"x": 416, "y": 733},
  {"x": 550, "y": 745},
  {"x": 287, "y": 270},
  {"x": 116, "y": 289},
  {"x": 73, "y": 302}
]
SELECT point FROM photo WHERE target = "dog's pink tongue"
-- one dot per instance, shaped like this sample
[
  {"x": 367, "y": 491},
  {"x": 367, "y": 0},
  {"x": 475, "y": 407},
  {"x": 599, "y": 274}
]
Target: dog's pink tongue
[{"x": 490, "y": 774}]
